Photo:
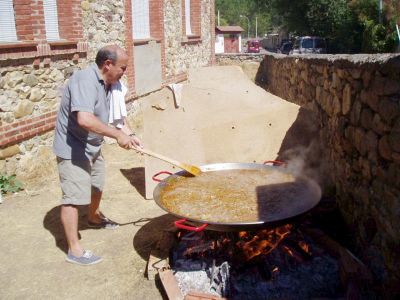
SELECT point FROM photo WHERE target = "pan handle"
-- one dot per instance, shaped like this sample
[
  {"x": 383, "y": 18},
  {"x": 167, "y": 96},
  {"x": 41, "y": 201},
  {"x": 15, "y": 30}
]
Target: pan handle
[
  {"x": 275, "y": 162},
  {"x": 191, "y": 228},
  {"x": 159, "y": 173}
]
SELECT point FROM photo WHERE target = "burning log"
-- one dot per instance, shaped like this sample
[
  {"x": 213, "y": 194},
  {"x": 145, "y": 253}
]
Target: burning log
[
  {"x": 263, "y": 242},
  {"x": 199, "y": 249}
]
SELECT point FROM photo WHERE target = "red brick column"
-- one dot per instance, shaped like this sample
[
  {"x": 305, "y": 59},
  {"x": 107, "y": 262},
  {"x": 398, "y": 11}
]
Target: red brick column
[
  {"x": 212, "y": 25},
  {"x": 36, "y": 17},
  {"x": 157, "y": 29},
  {"x": 195, "y": 17},
  {"x": 130, "y": 72},
  {"x": 23, "y": 20}
]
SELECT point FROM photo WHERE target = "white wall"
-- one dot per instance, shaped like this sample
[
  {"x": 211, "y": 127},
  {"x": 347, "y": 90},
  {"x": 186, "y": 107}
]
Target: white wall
[{"x": 219, "y": 43}]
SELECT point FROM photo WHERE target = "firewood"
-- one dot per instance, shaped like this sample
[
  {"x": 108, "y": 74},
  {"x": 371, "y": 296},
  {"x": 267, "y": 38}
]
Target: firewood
[{"x": 170, "y": 285}]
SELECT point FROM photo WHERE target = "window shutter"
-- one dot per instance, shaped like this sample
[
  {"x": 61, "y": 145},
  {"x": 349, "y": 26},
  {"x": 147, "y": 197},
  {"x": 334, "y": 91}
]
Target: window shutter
[
  {"x": 187, "y": 18},
  {"x": 141, "y": 19},
  {"x": 8, "y": 32},
  {"x": 51, "y": 19}
]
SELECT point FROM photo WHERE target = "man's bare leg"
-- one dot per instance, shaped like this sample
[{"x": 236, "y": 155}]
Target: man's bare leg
[
  {"x": 94, "y": 214},
  {"x": 69, "y": 219}
]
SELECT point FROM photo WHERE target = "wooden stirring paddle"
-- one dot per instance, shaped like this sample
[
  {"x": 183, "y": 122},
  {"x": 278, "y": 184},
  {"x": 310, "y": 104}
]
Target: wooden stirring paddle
[{"x": 189, "y": 168}]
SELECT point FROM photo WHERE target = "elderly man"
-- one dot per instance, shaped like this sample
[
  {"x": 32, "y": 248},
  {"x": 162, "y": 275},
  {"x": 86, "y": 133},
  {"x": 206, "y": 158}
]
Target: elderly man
[{"x": 80, "y": 128}]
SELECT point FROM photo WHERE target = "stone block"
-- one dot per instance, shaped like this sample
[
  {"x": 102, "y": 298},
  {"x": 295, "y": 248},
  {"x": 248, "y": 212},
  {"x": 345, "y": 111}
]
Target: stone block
[
  {"x": 23, "y": 109},
  {"x": 365, "y": 168},
  {"x": 31, "y": 80},
  {"x": 394, "y": 141},
  {"x": 378, "y": 126},
  {"x": 336, "y": 106},
  {"x": 9, "y": 151},
  {"x": 389, "y": 109},
  {"x": 366, "y": 77},
  {"x": 355, "y": 73},
  {"x": 378, "y": 84},
  {"x": 396, "y": 125},
  {"x": 347, "y": 99},
  {"x": 396, "y": 158},
  {"x": 366, "y": 118},
  {"x": 359, "y": 141},
  {"x": 391, "y": 87},
  {"x": 372, "y": 141},
  {"x": 15, "y": 78},
  {"x": 355, "y": 113},
  {"x": 371, "y": 99},
  {"x": 36, "y": 94},
  {"x": 384, "y": 148}
]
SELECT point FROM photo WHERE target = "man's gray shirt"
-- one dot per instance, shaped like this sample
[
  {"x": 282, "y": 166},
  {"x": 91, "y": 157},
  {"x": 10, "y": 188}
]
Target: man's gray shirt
[{"x": 84, "y": 92}]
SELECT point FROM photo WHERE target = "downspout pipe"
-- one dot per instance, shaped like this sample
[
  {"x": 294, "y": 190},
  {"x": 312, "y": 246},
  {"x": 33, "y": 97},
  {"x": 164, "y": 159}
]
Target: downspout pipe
[{"x": 398, "y": 35}]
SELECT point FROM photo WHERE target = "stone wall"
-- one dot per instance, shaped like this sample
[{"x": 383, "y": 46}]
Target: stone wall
[
  {"x": 357, "y": 100},
  {"x": 103, "y": 24},
  {"x": 29, "y": 97},
  {"x": 232, "y": 59},
  {"x": 181, "y": 54}
]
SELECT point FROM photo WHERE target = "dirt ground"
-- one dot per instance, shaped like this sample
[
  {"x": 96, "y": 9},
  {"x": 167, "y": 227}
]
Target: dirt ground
[{"x": 33, "y": 248}]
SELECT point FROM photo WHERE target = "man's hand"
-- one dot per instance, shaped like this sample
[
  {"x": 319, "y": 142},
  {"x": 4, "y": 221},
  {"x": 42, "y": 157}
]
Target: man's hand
[
  {"x": 129, "y": 142},
  {"x": 124, "y": 141},
  {"x": 137, "y": 143}
]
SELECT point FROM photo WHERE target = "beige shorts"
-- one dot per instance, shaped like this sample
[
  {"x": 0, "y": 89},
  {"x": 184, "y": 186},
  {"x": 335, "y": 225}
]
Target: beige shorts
[{"x": 79, "y": 177}]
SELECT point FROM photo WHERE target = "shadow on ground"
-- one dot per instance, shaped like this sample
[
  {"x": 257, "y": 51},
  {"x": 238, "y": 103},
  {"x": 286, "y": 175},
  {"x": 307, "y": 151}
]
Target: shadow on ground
[
  {"x": 149, "y": 234},
  {"x": 52, "y": 222},
  {"x": 147, "y": 238},
  {"x": 136, "y": 178}
]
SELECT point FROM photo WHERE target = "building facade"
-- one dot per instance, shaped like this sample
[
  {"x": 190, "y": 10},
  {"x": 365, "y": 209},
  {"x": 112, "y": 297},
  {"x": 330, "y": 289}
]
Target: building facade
[{"x": 42, "y": 42}]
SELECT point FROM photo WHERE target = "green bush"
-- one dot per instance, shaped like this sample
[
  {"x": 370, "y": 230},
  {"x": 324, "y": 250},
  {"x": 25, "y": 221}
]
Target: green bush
[{"x": 9, "y": 184}]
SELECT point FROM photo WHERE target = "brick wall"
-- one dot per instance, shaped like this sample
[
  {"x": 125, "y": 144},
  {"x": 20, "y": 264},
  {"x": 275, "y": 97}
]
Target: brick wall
[{"x": 23, "y": 130}]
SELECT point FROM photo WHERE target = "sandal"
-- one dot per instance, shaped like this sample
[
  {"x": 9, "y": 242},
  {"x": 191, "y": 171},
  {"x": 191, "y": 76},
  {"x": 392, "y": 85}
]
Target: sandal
[{"x": 105, "y": 223}]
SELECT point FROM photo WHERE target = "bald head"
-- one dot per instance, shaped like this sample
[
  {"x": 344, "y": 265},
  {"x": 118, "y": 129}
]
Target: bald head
[
  {"x": 109, "y": 52},
  {"x": 112, "y": 62}
]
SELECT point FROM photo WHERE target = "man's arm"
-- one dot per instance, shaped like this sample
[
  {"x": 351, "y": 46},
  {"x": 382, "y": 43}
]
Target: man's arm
[
  {"x": 128, "y": 130},
  {"x": 91, "y": 123}
]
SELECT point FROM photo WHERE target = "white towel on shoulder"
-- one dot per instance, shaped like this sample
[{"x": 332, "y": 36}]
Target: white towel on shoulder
[{"x": 117, "y": 104}]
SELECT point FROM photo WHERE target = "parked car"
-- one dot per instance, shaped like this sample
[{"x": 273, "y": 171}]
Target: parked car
[
  {"x": 309, "y": 44},
  {"x": 253, "y": 46},
  {"x": 286, "y": 48}
]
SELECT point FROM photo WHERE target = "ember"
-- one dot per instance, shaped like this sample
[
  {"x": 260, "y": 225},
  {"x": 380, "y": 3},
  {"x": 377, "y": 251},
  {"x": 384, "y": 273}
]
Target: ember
[
  {"x": 266, "y": 264},
  {"x": 263, "y": 242}
]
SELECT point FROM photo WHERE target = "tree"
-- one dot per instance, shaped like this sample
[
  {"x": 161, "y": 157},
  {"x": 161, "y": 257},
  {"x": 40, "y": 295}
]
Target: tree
[
  {"x": 350, "y": 26},
  {"x": 230, "y": 11}
]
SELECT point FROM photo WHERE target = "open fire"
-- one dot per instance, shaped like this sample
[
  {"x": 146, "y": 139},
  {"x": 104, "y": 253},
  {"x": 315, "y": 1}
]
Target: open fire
[{"x": 266, "y": 264}]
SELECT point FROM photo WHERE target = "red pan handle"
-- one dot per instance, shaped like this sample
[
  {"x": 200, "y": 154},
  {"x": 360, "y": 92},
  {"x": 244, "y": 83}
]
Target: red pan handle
[
  {"x": 191, "y": 228},
  {"x": 275, "y": 162},
  {"x": 159, "y": 173}
]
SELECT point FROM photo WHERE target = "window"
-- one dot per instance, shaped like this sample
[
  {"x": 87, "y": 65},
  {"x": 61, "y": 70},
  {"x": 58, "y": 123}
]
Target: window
[
  {"x": 7, "y": 22},
  {"x": 140, "y": 19},
  {"x": 51, "y": 20},
  {"x": 187, "y": 18}
]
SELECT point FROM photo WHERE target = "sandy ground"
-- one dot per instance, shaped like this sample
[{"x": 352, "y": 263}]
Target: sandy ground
[{"x": 33, "y": 248}]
